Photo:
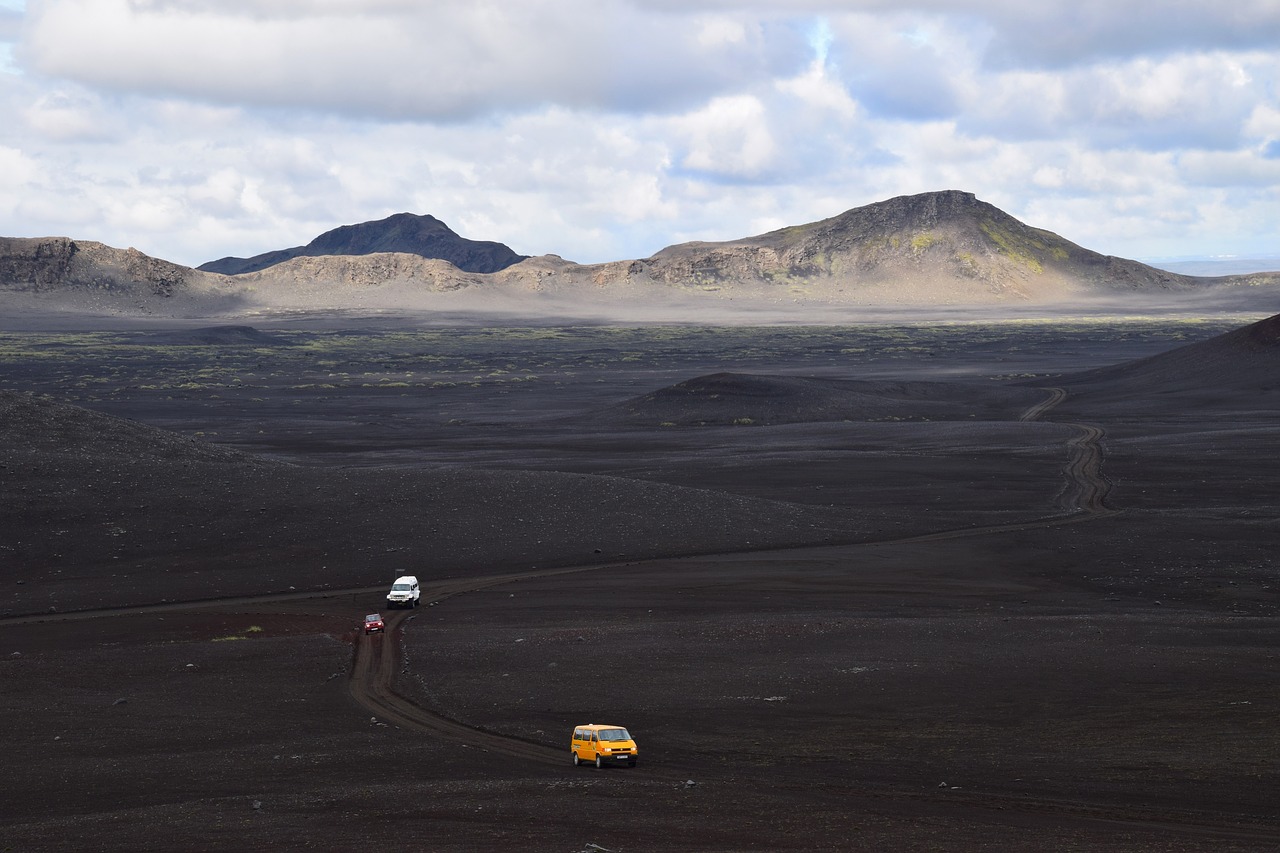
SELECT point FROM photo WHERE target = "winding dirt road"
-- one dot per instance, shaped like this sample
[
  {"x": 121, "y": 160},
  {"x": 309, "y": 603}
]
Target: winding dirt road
[
  {"x": 373, "y": 677},
  {"x": 372, "y": 682}
]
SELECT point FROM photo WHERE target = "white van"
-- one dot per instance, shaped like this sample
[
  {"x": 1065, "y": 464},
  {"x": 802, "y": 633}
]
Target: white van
[{"x": 404, "y": 592}]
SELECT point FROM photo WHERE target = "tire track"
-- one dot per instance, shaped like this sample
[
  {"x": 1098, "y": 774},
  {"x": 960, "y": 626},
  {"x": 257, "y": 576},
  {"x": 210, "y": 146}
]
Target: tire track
[
  {"x": 1056, "y": 396},
  {"x": 371, "y": 685},
  {"x": 1087, "y": 488},
  {"x": 372, "y": 682},
  {"x": 1084, "y": 470}
]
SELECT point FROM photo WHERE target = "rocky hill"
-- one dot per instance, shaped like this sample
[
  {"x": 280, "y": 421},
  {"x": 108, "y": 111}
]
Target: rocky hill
[
  {"x": 85, "y": 276},
  {"x": 941, "y": 246},
  {"x": 404, "y": 233}
]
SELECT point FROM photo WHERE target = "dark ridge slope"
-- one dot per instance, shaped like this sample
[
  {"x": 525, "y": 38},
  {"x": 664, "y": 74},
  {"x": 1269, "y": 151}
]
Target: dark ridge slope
[
  {"x": 405, "y": 233},
  {"x": 741, "y": 398},
  {"x": 1239, "y": 369}
]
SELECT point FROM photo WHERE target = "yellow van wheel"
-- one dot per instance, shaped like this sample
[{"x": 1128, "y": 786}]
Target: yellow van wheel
[{"x": 576, "y": 759}]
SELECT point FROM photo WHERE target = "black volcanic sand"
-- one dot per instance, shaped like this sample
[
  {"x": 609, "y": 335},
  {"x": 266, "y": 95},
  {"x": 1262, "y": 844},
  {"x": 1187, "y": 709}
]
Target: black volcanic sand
[{"x": 799, "y": 672}]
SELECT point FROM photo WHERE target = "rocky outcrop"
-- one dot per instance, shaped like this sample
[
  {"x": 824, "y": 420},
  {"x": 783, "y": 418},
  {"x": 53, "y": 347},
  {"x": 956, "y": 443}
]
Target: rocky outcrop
[
  {"x": 403, "y": 233},
  {"x": 81, "y": 276},
  {"x": 58, "y": 263}
]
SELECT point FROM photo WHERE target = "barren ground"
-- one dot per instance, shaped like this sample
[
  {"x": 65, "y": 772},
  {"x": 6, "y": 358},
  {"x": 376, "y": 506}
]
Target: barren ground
[{"x": 1017, "y": 620}]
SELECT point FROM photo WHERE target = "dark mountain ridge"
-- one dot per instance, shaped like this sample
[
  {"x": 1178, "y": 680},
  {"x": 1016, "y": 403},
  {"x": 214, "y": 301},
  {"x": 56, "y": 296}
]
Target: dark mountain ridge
[{"x": 405, "y": 233}]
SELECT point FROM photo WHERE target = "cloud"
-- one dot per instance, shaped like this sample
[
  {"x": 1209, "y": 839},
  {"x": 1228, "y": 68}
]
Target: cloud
[
  {"x": 1061, "y": 33},
  {"x": 1052, "y": 34},
  {"x": 729, "y": 137},
  {"x": 445, "y": 60},
  {"x": 1178, "y": 101},
  {"x": 71, "y": 115},
  {"x": 899, "y": 65}
]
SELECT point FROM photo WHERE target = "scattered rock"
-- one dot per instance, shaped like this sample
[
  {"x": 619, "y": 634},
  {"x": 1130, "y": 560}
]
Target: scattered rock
[
  {"x": 120, "y": 701},
  {"x": 257, "y": 804}
]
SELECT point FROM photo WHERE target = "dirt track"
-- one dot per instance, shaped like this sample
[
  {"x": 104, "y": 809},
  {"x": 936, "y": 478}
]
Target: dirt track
[{"x": 377, "y": 661}]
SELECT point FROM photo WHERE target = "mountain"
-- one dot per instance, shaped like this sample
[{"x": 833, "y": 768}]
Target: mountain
[
  {"x": 935, "y": 246},
  {"x": 933, "y": 249},
  {"x": 404, "y": 233}
]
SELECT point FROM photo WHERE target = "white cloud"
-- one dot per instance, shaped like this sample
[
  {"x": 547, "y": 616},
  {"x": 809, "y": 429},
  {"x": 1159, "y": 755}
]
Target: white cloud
[
  {"x": 449, "y": 59},
  {"x": 17, "y": 173},
  {"x": 66, "y": 115},
  {"x": 729, "y": 137}
]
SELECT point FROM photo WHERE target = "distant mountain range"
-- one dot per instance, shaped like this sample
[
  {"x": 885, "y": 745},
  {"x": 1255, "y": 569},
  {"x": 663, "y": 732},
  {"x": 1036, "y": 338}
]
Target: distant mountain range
[{"x": 934, "y": 249}]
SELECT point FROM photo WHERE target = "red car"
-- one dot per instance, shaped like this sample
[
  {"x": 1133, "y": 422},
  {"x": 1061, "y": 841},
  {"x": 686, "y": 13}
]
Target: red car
[{"x": 373, "y": 622}]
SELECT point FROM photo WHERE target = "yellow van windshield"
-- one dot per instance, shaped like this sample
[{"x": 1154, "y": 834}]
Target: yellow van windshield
[{"x": 614, "y": 734}]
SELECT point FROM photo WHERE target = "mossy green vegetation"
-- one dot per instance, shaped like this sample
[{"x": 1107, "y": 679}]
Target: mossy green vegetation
[
  {"x": 922, "y": 241},
  {"x": 1027, "y": 250}
]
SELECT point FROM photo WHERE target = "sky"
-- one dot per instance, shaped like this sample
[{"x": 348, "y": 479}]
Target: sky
[{"x": 605, "y": 130}]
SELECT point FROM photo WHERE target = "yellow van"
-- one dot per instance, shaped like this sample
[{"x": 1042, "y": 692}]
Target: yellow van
[{"x": 605, "y": 745}]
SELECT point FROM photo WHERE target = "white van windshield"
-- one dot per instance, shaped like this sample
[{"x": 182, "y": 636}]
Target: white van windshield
[{"x": 401, "y": 586}]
